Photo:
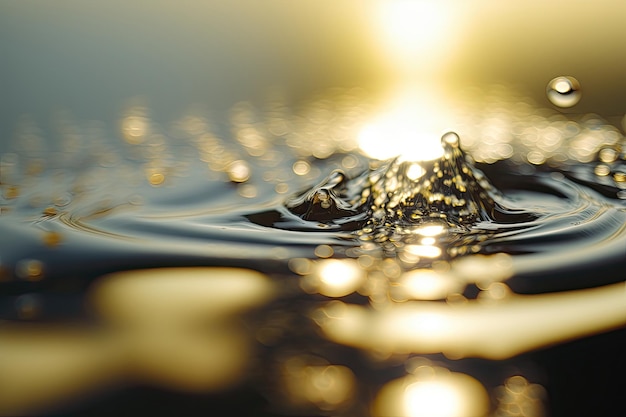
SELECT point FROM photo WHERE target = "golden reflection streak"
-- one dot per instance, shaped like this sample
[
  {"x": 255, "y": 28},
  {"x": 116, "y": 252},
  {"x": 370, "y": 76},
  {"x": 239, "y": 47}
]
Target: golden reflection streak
[
  {"x": 171, "y": 327},
  {"x": 417, "y": 35},
  {"x": 494, "y": 330}
]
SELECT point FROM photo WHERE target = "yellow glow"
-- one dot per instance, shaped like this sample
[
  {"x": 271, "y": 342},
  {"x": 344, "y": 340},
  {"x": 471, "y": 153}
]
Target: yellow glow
[
  {"x": 337, "y": 278},
  {"x": 410, "y": 127},
  {"x": 430, "y": 230},
  {"x": 495, "y": 330},
  {"x": 414, "y": 172},
  {"x": 156, "y": 296},
  {"x": 431, "y": 399},
  {"x": 424, "y": 284},
  {"x": 440, "y": 394}
]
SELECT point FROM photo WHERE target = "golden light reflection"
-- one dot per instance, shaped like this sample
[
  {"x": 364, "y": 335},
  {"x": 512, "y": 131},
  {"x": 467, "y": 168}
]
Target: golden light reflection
[
  {"x": 416, "y": 34},
  {"x": 426, "y": 251},
  {"x": 151, "y": 335},
  {"x": 172, "y": 294},
  {"x": 430, "y": 229},
  {"x": 519, "y": 398},
  {"x": 410, "y": 127},
  {"x": 426, "y": 284},
  {"x": 440, "y": 393},
  {"x": 334, "y": 277},
  {"x": 494, "y": 330}
]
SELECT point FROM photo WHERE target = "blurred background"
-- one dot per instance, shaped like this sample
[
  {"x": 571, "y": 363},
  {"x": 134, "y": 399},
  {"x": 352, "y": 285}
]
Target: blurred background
[{"x": 90, "y": 57}]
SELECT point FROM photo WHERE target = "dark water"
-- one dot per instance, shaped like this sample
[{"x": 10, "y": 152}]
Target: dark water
[{"x": 282, "y": 200}]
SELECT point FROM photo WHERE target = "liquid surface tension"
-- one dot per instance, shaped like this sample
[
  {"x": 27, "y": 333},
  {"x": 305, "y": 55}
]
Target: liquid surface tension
[{"x": 280, "y": 261}]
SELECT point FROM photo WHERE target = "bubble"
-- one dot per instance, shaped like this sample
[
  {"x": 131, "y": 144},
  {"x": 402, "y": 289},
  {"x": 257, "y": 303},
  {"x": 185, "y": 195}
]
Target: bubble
[
  {"x": 564, "y": 91},
  {"x": 451, "y": 139}
]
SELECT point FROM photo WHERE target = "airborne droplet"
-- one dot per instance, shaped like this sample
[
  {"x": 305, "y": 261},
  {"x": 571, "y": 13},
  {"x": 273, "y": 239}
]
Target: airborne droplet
[{"x": 564, "y": 91}]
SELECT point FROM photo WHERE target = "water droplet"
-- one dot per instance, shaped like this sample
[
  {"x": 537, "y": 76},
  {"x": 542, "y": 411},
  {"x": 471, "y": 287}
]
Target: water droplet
[
  {"x": 451, "y": 139},
  {"x": 564, "y": 91}
]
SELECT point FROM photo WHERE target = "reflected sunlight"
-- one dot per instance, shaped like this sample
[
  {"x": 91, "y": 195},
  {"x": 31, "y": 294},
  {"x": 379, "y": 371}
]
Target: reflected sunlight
[
  {"x": 440, "y": 393},
  {"x": 415, "y": 33},
  {"x": 411, "y": 127},
  {"x": 491, "y": 329}
]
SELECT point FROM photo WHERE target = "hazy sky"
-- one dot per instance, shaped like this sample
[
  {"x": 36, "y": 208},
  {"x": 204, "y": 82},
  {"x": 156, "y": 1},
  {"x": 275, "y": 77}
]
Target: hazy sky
[{"x": 91, "y": 56}]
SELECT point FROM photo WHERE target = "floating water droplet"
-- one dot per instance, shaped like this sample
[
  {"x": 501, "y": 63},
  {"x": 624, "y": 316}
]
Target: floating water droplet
[{"x": 564, "y": 91}]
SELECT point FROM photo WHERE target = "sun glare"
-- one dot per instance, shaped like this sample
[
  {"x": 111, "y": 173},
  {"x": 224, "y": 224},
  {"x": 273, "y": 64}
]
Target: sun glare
[
  {"x": 411, "y": 127},
  {"x": 412, "y": 27}
]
